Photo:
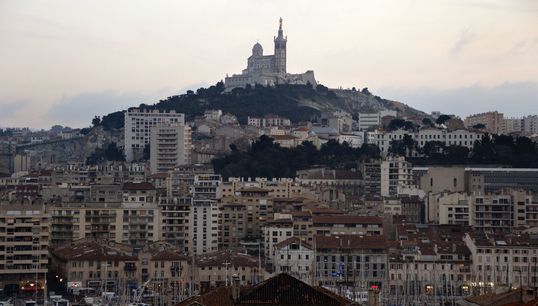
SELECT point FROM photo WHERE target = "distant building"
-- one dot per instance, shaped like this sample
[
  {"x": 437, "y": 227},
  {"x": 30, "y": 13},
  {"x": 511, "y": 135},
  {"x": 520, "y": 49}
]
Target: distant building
[
  {"x": 170, "y": 146},
  {"x": 268, "y": 121},
  {"x": 368, "y": 120},
  {"x": 137, "y": 128},
  {"x": 24, "y": 240},
  {"x": 493, "y": 121},
  {"x": 395, "y": 175},
  {"x": 269, "y": 70}
]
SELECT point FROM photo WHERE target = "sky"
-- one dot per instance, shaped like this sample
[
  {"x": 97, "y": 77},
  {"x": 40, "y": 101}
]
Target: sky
[{"x": 64, "y": 61}]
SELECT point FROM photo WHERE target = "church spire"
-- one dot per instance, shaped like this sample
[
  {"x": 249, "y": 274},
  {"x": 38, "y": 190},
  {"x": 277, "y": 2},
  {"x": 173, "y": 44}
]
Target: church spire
[{"x": 280, "y": 32}]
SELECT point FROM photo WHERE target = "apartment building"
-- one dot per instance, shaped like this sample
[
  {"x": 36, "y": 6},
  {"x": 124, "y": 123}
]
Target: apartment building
[
  {"x": 503, "y": 260},
  {"x": 430, "y": 261},
  {"x": 268, "y": 121},
  {"x": 170, "y": 146},
  {"x": 274, "y": 232},
  {"x": 277, "y": 188},
  {"x": 493, "y": 121},
  {"x": 395, "y": 175},
  {"x": 122, "y": 223},
  {"x": 215, "y": 269},
  {"x": 204, "y": 214},
  {"x": 294, "y": 257},
  {"x": 258, "y": 207},
  {"x": 99, "y": 264},
  {"x": 175, "y": 220},
  {"x": 347, "y": 225},
  {"x": 369, "y": 120},
  {"x": 137, "y": 128},
  {"x": 491, "y": 212},
  {"x": 351, "y": 261},
  {"x": 464, "y": 138},
  {"x": 24, "y": 241}
]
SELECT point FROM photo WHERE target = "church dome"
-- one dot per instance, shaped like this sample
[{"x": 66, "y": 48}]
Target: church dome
[{"x": 257, "y": 49}]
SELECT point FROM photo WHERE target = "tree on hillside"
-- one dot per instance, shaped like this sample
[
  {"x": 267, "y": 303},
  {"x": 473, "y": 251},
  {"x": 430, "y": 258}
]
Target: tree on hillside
[{"x": 442, "y": 119}]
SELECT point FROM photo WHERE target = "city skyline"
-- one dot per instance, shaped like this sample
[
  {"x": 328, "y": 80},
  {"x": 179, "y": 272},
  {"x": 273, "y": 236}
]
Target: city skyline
[{"x": 65, "y": 62}]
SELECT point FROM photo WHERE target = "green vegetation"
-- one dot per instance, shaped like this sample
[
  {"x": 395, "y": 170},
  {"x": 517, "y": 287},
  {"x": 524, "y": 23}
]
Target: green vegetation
[
  {"x": 518, "y": 152},
  {"x": 267, "y": 159},
  {"x": 256, "y": 100},
  {"x": 110, "y": 153}
]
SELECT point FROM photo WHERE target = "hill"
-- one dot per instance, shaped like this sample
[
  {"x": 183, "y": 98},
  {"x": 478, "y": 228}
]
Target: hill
[{"x": 297, "y": 102}]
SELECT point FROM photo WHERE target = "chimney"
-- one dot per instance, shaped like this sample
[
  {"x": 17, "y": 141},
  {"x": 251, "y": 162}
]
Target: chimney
[{"x": 235, "y": 287}]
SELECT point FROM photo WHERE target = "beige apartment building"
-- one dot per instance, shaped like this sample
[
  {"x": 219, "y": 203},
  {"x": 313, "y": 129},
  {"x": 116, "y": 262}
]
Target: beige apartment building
[
  {"x": 494, "y": 121},
  {"x": 122, "y": 223},
  {"x": 24, "y": 240},
  {"x": 93, "y": 263},
  {"x": 258, "y": 206}
]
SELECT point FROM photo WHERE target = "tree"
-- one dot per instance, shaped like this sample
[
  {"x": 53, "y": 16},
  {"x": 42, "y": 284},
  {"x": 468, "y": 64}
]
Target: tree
[
  {"x": 96, "y": 121},
  {"x": 479, "y": 126},
  {"x": 442, "y": 119},
  {"x": 427, "y": 122}
]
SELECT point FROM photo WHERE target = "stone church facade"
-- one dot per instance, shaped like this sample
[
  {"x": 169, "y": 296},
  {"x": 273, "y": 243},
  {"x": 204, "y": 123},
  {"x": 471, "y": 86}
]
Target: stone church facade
[{"x": 269, "y": 70}]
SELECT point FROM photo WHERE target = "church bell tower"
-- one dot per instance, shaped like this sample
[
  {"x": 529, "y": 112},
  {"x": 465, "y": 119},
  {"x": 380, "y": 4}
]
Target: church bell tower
[{"x": 280, "y": 51}]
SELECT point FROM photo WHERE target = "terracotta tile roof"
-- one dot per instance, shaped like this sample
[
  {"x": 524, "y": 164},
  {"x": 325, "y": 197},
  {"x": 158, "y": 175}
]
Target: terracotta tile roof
[
  {"x": 168, "y": 255},
  {"x": 92, "y": 250}
]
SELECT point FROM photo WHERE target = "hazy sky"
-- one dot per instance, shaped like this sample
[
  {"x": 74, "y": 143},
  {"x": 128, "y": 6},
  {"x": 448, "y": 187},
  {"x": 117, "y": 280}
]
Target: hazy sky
[{"x": 66, "y": 61}]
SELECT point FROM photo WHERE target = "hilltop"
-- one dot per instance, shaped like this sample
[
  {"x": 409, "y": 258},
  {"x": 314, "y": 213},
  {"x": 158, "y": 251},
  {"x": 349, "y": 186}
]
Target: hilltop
[{"x": 297, "y": 102}]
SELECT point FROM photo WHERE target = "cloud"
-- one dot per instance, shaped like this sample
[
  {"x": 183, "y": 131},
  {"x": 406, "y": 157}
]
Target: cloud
[
  {"x": 78, "y": 110},
  {"x": 466, "y": 37},
  {"x": 9, "y": 110},
  {"x": 513, "y": 99}
]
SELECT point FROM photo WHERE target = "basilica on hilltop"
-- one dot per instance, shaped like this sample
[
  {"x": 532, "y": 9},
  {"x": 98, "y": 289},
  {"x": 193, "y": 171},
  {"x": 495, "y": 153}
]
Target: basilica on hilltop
[{"x": 269, "y": 70}]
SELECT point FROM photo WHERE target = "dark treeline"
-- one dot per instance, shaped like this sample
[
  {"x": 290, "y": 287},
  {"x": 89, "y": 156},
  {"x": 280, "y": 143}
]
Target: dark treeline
[
  {"x": 110, "y": 153},
  {"x": 267, "y": 159},
  {"x": 519, "y": 152}
]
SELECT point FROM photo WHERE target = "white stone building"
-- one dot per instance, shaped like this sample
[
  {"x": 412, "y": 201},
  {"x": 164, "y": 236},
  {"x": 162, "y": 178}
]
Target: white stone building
[
  {"x": 383, "y": 139},
  {"x": 268, "y": 70},
  {"x": 395, "y": 175},
  {"x": 137, "y": 128},
  {"x": 295, "y": 257}
]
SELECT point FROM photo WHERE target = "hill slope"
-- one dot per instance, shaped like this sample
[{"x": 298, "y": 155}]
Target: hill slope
[{"x": 297, "y": 102}]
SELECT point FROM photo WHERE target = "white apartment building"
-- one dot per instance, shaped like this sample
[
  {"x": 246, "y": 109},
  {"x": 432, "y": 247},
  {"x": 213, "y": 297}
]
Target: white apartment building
[
  {"x": 395, "y": 175},
  {"x": 170, "y": 146},
  {"x": 294, "y": 257},
  {"x": 275, "y": 232},
  {"x": 137, "y": 128},
  {"x": 268, "y": 120},
  {"x": 463, "y": 138},
  {"x": 530, "y": 124},
  {"x": 355, "y": 139},
  {"x": 368, "y": 120},
  {"x": 204, "y": 214}
]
